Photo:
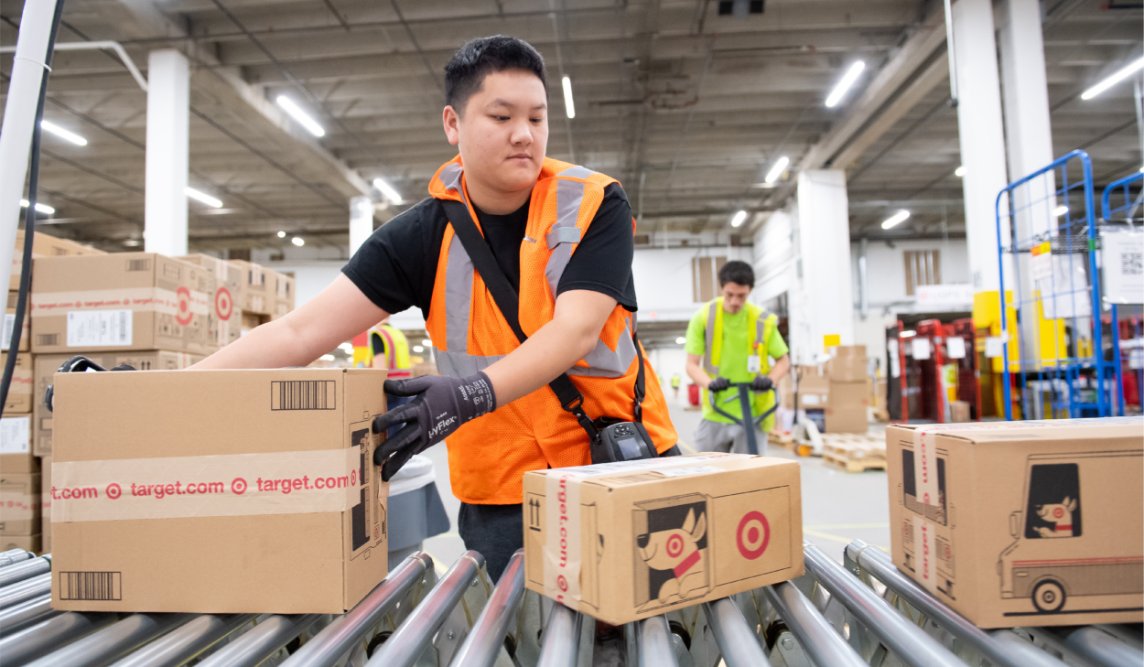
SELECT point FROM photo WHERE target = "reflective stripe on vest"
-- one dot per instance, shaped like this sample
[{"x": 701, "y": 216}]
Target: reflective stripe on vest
[{"x": 764, "y": 325}]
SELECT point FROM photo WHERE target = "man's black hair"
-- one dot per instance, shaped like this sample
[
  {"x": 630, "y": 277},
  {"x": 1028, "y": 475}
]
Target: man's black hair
[
  {"x": 737, "y": 272},
  {"x": 468, "y": 67}
]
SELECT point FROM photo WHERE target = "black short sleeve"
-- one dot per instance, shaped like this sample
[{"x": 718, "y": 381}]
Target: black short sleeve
[{"x": 602, "y": 261}]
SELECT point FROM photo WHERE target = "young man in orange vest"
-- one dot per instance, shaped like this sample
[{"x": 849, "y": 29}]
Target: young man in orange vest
[{"x": 563, "y": 235}]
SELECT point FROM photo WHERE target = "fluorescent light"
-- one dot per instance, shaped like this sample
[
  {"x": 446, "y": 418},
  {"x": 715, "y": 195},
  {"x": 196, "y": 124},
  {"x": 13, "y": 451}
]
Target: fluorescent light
[
  {"x": 777, "y": 170},
  {"x": 40, "y": 208},
  {"x": 1060, "y": 210},
  {"x": 739, "y": 218},
  {"x": 844, "y": 84},
  {"x": 1118, "y": 76},
  {"x": 680, "y": 340},
  {"x": 60, "y": 132},
  {"x": 281, "y": 234},
  {"x": 298, "y": 241},
  {"x": 960, "y": 171},
  {"x": 569, "y": 105},
  {"x": 203, "y": 197},
  {"x": 303, "y": 118},
  {"x": 896, "y": 219},
  {"x": 388, "y": 191}
]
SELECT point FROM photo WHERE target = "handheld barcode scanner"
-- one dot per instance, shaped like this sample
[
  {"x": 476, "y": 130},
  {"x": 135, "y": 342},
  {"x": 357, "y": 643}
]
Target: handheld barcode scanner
[
  {"x": 749, "y": 424},
  {"x": 78, "y": 364},
  {"x": 622, "y": 441}
]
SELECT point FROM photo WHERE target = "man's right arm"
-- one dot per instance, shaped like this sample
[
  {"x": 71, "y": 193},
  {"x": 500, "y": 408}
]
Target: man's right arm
[{"x": 337, "y": 314}]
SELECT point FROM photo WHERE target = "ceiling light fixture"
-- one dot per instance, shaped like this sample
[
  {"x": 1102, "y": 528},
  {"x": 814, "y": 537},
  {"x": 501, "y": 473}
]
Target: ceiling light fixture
[
  {"x": 203, "y": 197},
  {"x": 1113, "y": 79},
  {"x": 569, "y": 106},
  {"x": 281, "y": 234},
  {"x": 844, "y": 84},
  {"x": 388, "y": 191},
  {"x": 60, "y": 132},
  {"x": 304, "y": 119},
  {"x": 40, "y": 208},
  {"x": 739, "y": 218},
  {"x": 960, "y": 171},
  {"x": 1060, "y": 210},
  {"x": 777, "y": 170},
  {"x": 298, "y": 241},
  {"x": 896, "y": 219}
]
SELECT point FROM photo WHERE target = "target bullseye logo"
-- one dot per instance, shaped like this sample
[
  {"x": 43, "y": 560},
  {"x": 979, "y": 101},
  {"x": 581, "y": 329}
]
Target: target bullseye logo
[
  {"x": 114, "y": 491},
  {"x": 183, "y": 315},
  {"x": 353, "y": 478},
  {"x": 562, "y": 583},
  {"x": 753, "y": 534},
  {"x": 223, "y": 303},
  {"x": 238, "y": 486},
  {"x": 674, "y": 545}
]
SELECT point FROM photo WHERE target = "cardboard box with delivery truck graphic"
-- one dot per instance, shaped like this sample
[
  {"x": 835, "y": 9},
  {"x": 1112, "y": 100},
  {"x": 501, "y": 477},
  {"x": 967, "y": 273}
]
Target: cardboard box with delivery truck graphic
[
  {"x": 625, "y": 541},
  {"x": 1022, "y": 523},
  {"x": 217, "y": 491}
]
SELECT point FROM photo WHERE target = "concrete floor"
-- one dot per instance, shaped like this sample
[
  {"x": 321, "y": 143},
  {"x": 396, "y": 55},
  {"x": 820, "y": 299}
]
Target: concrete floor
[{"x": 837, "y": 506}]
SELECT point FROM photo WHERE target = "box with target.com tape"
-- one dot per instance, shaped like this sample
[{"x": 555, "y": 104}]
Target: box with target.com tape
[{"x": 625, "y": 541}]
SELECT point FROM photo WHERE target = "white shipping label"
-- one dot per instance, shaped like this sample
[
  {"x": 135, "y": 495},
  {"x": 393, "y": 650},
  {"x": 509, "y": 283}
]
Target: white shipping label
[
  {"x": 955, "y": 347},
  {"x": 15, "y": 435},
  {"x": 1123, "y": 255},
  {"x": 921, "y": 349},
  {"x": 9, "y": 324},
  {"x": 1041, "y": 261},
  {"x": 1136, "y": 359},
  {"x": 994, "y": 346},
  {"x": 895, "y": 363},
  {"x": 92, "y": 328}
]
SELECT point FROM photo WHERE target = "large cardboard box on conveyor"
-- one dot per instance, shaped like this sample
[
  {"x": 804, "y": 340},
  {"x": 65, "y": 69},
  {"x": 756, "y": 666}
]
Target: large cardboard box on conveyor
[
  {"x": 625, "y": 541},
  {"x": 217, "y": 491},
  {"x": 1022, "y": 523},
  {"x": 124, "y": 301},
  {"x": 225, "y": 307},
  {"x": 45, "y": 366}
]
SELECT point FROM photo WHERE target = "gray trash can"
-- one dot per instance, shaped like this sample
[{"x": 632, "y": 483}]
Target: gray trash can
[{"x": 415, "y": 509}]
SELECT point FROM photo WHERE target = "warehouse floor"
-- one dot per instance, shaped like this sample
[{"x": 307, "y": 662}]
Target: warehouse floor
[{"x": 838, "y": 506}]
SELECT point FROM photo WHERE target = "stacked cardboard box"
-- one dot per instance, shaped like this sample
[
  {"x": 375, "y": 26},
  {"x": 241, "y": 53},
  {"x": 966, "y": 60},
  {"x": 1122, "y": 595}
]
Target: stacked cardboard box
[
  {"x": 258, "y": 294},
  {"x": 846, "y": 410},
  {"x": 226, "y": 305},
  {"x": 284, "y": 302}
]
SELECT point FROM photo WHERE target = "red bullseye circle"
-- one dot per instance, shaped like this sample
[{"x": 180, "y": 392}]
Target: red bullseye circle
[
  {"x": 674, "y": 545},
  {"x": 1058, "y": 512},
  {"x": 183, "y": 316},
  {"x": 753, "y": 535},
  {"x": 224, "y": 303}
]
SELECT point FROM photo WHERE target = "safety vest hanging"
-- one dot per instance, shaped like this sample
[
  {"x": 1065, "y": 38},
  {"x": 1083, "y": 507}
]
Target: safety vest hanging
[{"x": 760, "y": 322}]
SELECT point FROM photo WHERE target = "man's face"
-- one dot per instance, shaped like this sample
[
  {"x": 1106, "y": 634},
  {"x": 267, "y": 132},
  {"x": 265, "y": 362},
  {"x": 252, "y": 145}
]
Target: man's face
[
  {"x": 734, "y": 296},
  {"x": 502, "y": 131}
]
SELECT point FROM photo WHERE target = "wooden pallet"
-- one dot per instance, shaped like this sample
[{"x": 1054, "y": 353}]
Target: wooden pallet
[
  {"x": 855, "y": 465},
  {"x": 855, "y": 452}
]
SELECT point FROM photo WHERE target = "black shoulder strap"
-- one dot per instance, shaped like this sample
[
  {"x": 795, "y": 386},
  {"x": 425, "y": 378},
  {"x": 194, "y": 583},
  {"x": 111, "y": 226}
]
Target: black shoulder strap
[{"x": 507, "y": 301}]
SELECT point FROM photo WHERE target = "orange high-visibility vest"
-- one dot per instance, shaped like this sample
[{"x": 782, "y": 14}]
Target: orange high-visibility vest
[{"x": 489, "y": 455}]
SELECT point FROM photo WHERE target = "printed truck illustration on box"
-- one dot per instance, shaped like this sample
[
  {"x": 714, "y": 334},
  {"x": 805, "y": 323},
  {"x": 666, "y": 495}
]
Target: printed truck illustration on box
[{"x": 1073, "y": 497}]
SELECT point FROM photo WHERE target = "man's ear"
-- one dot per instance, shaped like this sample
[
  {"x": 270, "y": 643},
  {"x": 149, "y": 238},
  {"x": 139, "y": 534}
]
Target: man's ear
[{"x": 451, "y": 121}]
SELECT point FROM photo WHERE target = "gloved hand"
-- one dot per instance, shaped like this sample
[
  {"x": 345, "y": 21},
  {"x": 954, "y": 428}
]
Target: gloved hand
[
  {"x": 439, "y": 407},
  {"x": 762, "y": 383},
  {"x": 718, "y": 384}
]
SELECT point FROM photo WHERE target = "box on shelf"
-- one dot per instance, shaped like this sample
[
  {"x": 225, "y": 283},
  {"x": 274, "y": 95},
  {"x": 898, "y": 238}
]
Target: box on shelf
[
  {"x": 20, "y": 391},
  {"x": 284, "y": 302},
  {"x": 225, "y": 307},
  {"x": 259, "y": 291},
  {"x": 19, "y": 504},
  {"x": 25, "y": 542},
  {"x": 16, "y": 445},
  {"x": 10, "y": 323},
  {"x": 45, "y": 245}
]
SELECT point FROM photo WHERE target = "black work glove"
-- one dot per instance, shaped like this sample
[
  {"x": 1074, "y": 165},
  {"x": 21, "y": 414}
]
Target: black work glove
[
  {"x": 440, "y": 406},
  {"x": 762, "y": 383},
  {"x": 718, "y": 384}
]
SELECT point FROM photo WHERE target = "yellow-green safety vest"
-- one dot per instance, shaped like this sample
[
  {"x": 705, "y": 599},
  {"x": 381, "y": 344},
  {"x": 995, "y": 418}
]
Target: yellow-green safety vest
[{"x": 759, "y": 321}]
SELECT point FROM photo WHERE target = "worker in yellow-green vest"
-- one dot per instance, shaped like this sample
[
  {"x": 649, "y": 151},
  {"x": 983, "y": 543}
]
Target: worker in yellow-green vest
[{"x": 731, "y": 340}]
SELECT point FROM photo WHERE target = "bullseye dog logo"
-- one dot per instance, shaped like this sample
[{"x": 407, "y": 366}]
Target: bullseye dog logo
[{"x": 671, "y": 548}]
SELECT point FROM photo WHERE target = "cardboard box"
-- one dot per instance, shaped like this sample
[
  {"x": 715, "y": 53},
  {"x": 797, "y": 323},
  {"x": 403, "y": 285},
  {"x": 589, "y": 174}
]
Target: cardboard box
[
  {"x": 20, "y": 391},
  {"x": 259, "y": 292},
  {"x": 10, "y": 324},
  {"x": 847, "y": 364},
  {"x": 125, "y": 301},
  {"x": 46, "y": 504},
  {"x": 813, "y": 388},
  {"x": 846, "y": 407},
  {"x": 225, "y": 309},
  {"x": 625, "y": 541},
  {"x": 44, "y": 245},
  {"x": 19, "y": 504},
  {"x": 959, "y": 411},
  {"x": 44, "y": 369},
  {"x": 284, "y": 302},
  {"x": 217, "y": 491},
  {"x": 1022, "y": 523},
  {"x": 16, "y": 445},
  {"x": 25, "y": 542}
]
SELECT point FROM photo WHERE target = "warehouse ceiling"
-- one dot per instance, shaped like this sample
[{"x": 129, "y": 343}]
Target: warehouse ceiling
[{"x": 689, "y": 103}]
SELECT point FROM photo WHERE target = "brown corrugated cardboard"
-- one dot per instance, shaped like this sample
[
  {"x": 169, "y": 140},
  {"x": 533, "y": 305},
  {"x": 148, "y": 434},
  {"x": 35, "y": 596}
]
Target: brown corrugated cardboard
[
  {"x": 25, "y": 542},
  {"x": 846, "y": 407},
  {"x": 847, "y": 363},
  {"x": 20, "y": 391},
  {"x": 10, "y": 323},
  {"x": 225, "y": 307},
  {"x": 44, "y": 245},
  {"x": 45, "y": 365},
  {"x": 46, "y": 503},
  {"x": 259, "y": 288},
  {"x": 19, "y": 504},
  {"x": 625, "y": 541},
  {"x": 125, "y": 301},
  {"x": 284, "y": 302},
  {"x": 813, "y": 388},
  {"x": 1022, "y": 523},
  {"x": 958, "y": 411},
  {"x": 217, "y": 491},
  {"x": 16, "y": 445}
]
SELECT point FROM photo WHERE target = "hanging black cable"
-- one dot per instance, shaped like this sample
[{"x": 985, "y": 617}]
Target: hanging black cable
[{"x": 29, "y": 218}]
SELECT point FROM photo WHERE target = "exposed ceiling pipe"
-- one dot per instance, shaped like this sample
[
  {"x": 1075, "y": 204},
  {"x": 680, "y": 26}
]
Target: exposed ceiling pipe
[{"x": 111, "y": 46}]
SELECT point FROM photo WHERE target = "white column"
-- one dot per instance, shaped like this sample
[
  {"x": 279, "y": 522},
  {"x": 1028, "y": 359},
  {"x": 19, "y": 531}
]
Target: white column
[
  {"x": 168, "y": 107},
  {"x": 982, "y": 139},
  {"x": 823, "y": 304},
  {"x": 361, "y": 221}
]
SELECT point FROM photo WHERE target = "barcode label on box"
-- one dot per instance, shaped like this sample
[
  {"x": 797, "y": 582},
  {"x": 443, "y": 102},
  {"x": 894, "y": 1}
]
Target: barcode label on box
[
  {"x": 91, "y": 585},
  {"x": 138, "y": 265},
  {"x": 302, "y": 395},
  {"x": 9, "y": 324},
  {"x": 92, "y": 328},
  {"x": 15, "y": 435}
]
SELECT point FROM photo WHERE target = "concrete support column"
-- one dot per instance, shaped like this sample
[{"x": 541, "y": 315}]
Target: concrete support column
[
  {"x": 823, "y": 305},
  {"x": 361, "y": 222},
  {"x": 168, "y": 108}
]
